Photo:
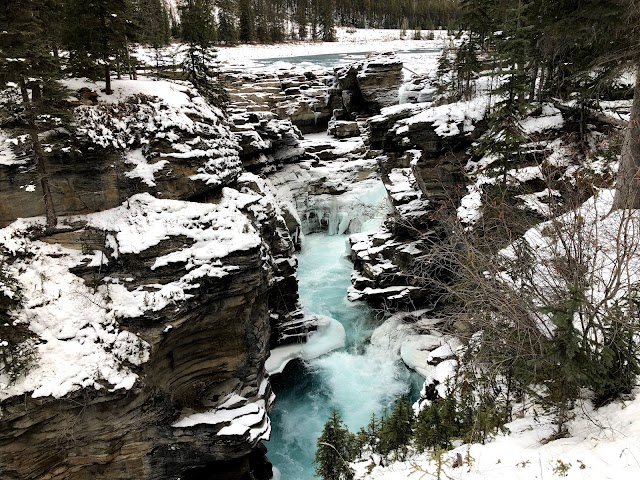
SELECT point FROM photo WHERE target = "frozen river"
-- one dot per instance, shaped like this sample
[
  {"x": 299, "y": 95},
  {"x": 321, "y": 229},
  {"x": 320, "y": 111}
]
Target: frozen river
[{"x": 329, "y": 60}]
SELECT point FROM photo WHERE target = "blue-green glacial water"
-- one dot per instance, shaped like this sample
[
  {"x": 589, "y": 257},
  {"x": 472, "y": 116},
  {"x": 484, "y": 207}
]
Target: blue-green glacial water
[
  {"x": 336, "y": 59},
  {"x": 357, "y": 381}
]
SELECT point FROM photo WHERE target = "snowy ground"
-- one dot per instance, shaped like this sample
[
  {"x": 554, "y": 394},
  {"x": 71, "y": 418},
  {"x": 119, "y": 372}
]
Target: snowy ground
[
  {"x": 604, "y": 444},
  {"x": 362, "y": 40},
  {"x": 357, "y": 45}
]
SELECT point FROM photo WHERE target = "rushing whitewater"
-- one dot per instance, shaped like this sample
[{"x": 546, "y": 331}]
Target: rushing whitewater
[{"x": 357, "y": 381}]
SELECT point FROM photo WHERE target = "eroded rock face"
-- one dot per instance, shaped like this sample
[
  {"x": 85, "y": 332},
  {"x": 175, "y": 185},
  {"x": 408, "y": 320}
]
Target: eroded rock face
[
  {"x": 205, "y": 337},
  {"x": 293, "y": 93},
  {"x": 421, "y": 156},
  {"x": 178, "y": 148},
  {"x": 150, "y": 314},
  {"x": 366, "y": 87}
]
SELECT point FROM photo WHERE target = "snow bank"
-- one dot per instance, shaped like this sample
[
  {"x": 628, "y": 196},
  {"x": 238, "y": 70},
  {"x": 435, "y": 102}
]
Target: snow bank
[
  {"x": 142, "y": 112},
  {"x": 329, "y": 336},
  {"x": 175, "y": 94},
  {"x": 603, "y": 445},
  {"x": 447, "y": 120},
  {"x": 79, "y": 342}
]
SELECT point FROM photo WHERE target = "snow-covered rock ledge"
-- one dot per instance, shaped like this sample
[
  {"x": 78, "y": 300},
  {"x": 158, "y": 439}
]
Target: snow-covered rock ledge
[
  {"x": 330, "y": 335},
  {"x": 152, "y": 302}
]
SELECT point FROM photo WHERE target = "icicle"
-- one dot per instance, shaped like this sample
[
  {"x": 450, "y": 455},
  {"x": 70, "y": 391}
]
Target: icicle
[
  {"x": 345, "y": 219},
  {"x": 334, "y": 219}
]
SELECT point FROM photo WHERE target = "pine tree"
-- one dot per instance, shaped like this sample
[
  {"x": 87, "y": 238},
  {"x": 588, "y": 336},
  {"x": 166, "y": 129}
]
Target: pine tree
[
  {"x": 326, "y": 21},
  {"x": 227, "y": 32},
  {"x": 335, "y": 450},
  {"x": 153, "y": 22},
  {"x": 301, "y": 18},
  {"x": 263, "y": 33},
  {"x": 369, "y": 437},
  {"x": 397, "y": 430},
  {"x": 247, "y": 21},
  {"x": 98, "y": 33},
  {"x": 28, "y": 62}
]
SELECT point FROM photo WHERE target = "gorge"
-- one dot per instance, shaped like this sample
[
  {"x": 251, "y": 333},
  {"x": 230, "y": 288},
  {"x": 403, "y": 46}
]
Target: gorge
[
  {"x": 214, "y": 286},
  {"x": 140, "y": 324}
]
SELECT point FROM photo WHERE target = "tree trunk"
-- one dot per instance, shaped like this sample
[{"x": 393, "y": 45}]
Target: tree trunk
[
  {"x": 50, "y": 213},
  {"x": 107, "y": 79},
  {"x": 105, "y": 56},
  {"x": 628, "y": 182}
]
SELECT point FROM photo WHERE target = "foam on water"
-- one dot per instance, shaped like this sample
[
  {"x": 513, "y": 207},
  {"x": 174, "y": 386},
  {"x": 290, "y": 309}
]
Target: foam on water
[{"x": 357, "y": 381}]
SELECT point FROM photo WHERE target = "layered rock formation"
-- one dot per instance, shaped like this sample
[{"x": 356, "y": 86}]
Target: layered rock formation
[
  {"x": 365, "y": 87},
  {"x": 139, "y": 327},
  {"x": 421, "y": 155},
  {"x": 297, "y": 94}
]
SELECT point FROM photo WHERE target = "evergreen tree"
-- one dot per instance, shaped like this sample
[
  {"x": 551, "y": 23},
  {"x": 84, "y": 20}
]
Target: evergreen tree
[
  {"x": 153, "y": 22},
  {"x": 326, "y": 21},
  {"x": 98, "y": 33},
  {"x": 199, "y": 33},
  {"x": 263, "y": 33},
  {"x": 302, "y": 18},
  {"x": 247, "y": 21},
  {"x": 28, "y": 62},
  {"x": 369, "y": 437},
  {"x": 335, "y": 450},
  {"x": 397, "y": 430},
  {"x": 227, "y": 22}
]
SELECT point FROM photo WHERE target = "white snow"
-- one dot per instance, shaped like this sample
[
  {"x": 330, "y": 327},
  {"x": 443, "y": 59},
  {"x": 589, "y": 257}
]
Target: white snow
[
  {"x": 550, "y": 119},
  {"x": 7, "y": 157},
  {"x": 447, "y": 119},
  {"x": 469, "y": 210},
  {"x": 604, "y": 445},
  {"x": 329, "y": 336},
  {"x": 215, "y": 230},
  {"x": 80, "y": 344},
  {"x": 143, "y": 169},
  {"x": 237, "y": 415},
  {"x": 174, "y": 94}
]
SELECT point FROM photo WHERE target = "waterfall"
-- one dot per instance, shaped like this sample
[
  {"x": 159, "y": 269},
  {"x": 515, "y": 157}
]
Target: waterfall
[{"x": 357, "y": 381}]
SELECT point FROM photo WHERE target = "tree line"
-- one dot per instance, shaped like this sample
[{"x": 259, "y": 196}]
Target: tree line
[
  {"x": 543, "y": 50},
  {"x": 400, "y": 433},
  {"x": 264, "y": 21}
]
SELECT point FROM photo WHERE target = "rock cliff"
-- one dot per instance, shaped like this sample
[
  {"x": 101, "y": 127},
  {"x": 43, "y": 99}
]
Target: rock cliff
[{"x": 135, "y": 333}]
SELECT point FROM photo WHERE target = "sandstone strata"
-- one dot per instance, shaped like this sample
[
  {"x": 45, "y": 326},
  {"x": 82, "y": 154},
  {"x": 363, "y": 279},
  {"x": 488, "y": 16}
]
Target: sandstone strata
[{"x": 177, "y": 273}]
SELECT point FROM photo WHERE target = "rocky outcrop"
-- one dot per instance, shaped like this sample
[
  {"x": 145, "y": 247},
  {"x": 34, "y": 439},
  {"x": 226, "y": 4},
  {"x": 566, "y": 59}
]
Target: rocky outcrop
[
  {"x": 266, "y": 142},
  {"x": 176, "y": 147},
  {"x": 422, "y": 159},
  {"x": 293, "y": 93},
  {"x": 151, "y": 311},
  {"x": 364, "y": 88},
  {"x": 343, "y": 128},
  {"x": 176, "y": 314}
]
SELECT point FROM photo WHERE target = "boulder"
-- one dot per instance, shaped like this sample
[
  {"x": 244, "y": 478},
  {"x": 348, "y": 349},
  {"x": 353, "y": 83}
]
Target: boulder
[{"x": 343, "y": 128}]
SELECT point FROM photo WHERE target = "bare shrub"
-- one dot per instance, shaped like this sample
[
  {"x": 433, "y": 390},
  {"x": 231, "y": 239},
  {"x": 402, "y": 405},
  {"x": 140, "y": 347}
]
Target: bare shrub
[{"x": 552, "y": 312}]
